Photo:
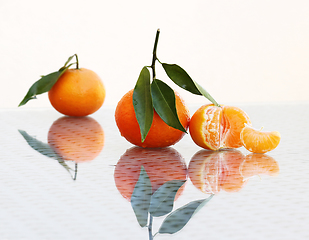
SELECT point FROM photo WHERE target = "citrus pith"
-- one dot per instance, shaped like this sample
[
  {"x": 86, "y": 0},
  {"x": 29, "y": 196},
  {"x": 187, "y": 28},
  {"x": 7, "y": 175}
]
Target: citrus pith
[
  {"x": 78, "y": 92},
  {"x": 160, "y": 134},
  {"x": 214, "y": 128}
]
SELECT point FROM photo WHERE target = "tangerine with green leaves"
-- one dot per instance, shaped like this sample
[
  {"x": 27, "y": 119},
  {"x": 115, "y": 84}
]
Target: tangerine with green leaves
[
  {"x": 213, "y": 127},
  {"x": 78, "y": 92},
  {"x": 160, "y": 134}
]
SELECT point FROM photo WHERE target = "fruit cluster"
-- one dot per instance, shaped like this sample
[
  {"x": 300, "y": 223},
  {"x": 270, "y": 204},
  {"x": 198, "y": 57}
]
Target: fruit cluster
[{"x": 153, "y": 115}]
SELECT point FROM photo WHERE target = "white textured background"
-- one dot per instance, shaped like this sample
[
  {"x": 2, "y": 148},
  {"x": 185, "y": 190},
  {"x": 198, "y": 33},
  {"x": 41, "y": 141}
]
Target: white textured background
[{"x": 239, "y": 50}]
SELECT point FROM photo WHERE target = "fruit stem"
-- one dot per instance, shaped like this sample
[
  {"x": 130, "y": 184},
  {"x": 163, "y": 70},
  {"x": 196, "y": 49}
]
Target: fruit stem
[
  {"x": 154, "y": 55},
  {"x": 77, "y": 63}
]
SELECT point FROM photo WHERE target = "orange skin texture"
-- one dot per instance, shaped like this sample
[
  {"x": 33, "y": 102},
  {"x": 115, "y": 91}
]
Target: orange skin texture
[
  {"x": 214, "y": 171},
  {"x": 78, "y": 92},
  {"x": 78, "y": 139},
  {"x": 259, "y": 142},
  {"x": 160, "y": 134},
  {"x": 258, "y": 164},
  {"x": 161, "y": 165},
  {"x": 214, "y": 128}
]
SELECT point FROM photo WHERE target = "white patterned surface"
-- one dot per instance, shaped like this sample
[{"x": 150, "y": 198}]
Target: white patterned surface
[{"x": 39, "y": 199}]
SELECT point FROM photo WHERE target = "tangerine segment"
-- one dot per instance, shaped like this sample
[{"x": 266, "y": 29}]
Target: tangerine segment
[
  {"x": 161, "y": 165},
  {"x": 78, "y": 92},
  {"x": 76, "y": 139},
  {"x": 160, "y": 134},
  {"x": 259, "y": 142},
  {"x": 213, "y": 127}
]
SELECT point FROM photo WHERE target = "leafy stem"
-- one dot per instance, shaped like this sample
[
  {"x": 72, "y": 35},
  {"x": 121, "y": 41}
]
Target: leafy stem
[{"x": 154, "y": 55}]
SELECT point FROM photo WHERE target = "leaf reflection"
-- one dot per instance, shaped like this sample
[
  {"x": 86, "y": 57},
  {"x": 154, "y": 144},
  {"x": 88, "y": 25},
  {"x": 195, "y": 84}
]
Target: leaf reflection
[
  {"x": 77, "y": 139},
  {"x": 152, "y": 180},
  {"x": 175, "y": 221},
  {"x": 47, "y": 151}
]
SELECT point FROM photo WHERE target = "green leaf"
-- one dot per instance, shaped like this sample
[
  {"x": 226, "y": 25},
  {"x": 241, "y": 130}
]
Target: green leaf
[
  {"x": 162, "y": 201},
  {"x": 180, "y": 77},
  {"x": 175, "y": 221},
  {"x": 141, "y": 196},
  {"x": 41, "y": 86},
  {"x": 206, "y": 94},
  {"x": 45, "y": 83},
  {"x": 164, "y": 102},
  {"x": 142, "y": 102}
]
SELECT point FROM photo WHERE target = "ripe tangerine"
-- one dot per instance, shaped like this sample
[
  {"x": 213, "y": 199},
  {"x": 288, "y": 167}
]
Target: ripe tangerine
[
  {"x": 214, "y": 128},
  {"x": 78, "y": 92},
  {"x": 160, "y": 134}
]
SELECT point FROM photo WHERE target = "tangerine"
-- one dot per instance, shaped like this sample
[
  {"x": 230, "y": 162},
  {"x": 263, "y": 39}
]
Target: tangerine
[
  {"x": 78, "y": 139},
  {"x": 78, "y": 92},
  {"x": 213, "y": 127},
  {"x": 161, "y": 165},
  {"x": 257, "y": 141},
  {"x": 160, "y": 134}
]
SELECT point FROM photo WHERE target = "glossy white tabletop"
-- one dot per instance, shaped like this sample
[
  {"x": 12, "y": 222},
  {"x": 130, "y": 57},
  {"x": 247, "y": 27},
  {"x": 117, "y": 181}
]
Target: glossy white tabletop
[{"x": 45, "y": 198}]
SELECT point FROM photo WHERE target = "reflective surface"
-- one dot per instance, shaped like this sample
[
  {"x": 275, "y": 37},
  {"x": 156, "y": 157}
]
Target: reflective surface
[{"x": 66, "y": 178}]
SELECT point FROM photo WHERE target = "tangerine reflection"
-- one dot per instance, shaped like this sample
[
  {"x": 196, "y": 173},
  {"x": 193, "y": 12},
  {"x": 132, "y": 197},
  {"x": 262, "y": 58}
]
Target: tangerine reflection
[
  {"x": 161, "y": 165},
  {"x": 228, "y": 170},
  {"x": 78, "y": 139}
]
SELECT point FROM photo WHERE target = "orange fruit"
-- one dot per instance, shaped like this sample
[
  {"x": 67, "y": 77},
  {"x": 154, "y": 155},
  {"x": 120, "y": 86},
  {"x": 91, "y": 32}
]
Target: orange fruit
[
  {"x": 213, "y": 127},
  {"x": 257, "y": 164},
  {"x": 161, "y": 165},
  {"x": 78, "y": 139},
  {"x": 214, "y": 171},
  {"x": 78, "y": 92},
  {"x": 160, "y": 134},
  {"x": 257, "y": 141}
]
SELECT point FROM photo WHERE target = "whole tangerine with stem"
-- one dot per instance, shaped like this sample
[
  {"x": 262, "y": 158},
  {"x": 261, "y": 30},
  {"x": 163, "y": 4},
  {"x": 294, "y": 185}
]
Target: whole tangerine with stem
[
  {"x": 160, "y": 134},
  {"x": 78, "y": 139},
  {"x": 216, "y": 127},
  {"x": 78, "y": 92},
  {"x": 161, "y": 165}
]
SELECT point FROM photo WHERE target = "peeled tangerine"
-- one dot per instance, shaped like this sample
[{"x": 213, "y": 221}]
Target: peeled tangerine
[
  {"x": 212, "y": 127},
  {"x": 257, "y": 141}
]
